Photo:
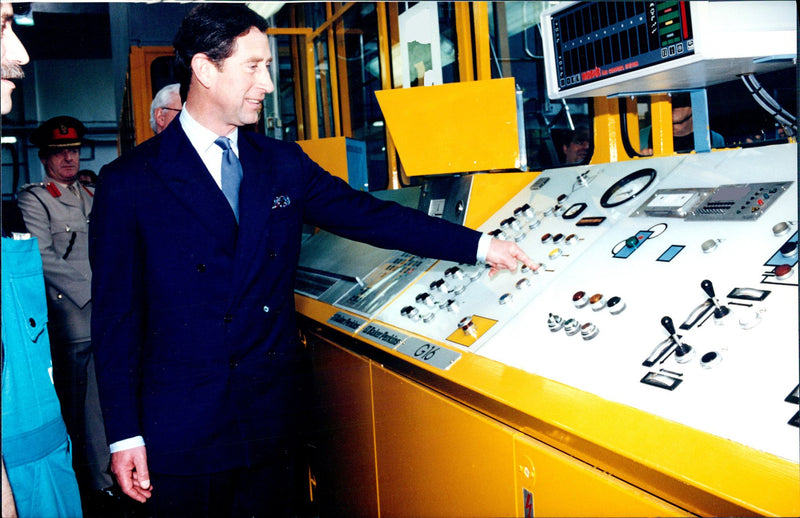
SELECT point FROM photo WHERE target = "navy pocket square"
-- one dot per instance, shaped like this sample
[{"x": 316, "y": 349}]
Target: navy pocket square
[{"x": 281, "y": 202}]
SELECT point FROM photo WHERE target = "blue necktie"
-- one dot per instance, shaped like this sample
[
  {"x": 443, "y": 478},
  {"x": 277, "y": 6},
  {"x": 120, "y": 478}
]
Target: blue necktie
[{"x": 231, "y": 174}]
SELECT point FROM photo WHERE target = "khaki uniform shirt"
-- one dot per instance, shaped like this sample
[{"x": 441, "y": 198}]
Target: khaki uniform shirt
[{"x": 60, "y": 221}]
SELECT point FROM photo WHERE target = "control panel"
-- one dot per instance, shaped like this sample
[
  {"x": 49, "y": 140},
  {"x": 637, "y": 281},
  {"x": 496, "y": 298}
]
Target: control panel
[
  {"x": 555, "y": 219},
  {"x": 665, "y": 284},
  {"x": 686, "y": 315}
]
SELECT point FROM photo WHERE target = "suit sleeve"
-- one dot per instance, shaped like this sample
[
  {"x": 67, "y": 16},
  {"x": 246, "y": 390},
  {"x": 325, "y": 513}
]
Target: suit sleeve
[
  {"x": 116, "y": 312},
  {"x": 59, "y": 273},
  {"x": 333, "y": 205}
]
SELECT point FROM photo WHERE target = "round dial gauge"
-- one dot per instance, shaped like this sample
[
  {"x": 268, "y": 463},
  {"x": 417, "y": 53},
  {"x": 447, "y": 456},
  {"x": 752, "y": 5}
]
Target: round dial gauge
[{"x": 628, "y": 188}]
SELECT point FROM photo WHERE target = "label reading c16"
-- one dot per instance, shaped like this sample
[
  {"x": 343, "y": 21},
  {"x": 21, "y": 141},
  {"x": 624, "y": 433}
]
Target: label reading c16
[{"x": 432, "y": 354}]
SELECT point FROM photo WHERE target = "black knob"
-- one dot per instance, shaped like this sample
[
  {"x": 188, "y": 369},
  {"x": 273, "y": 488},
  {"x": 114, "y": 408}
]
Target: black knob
[
  {"x": 668, "y": 325},
  {"x": 708, "y": 288}
]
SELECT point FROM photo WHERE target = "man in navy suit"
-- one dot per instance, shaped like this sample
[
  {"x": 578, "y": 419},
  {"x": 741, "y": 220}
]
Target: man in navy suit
[{"x": 201, "y": 375}]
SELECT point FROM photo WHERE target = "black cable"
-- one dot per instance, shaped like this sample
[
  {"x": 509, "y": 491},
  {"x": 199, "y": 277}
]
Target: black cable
[
  {"x": 757, "y": 89},
  {"x": 623, "y": 127},
  {"x": 763, "y": 99}
]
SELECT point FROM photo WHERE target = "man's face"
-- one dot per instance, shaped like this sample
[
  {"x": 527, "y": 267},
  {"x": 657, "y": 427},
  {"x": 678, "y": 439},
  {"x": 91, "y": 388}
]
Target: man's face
[
  {"x": 241, "y": 81},
  {"x": 682, "y": 123},
  {"x": 62, "y": 166},
  {"x": 163, "y": 116},
  {"x": 13, "y": 57},
  {"x": 577, "y": 149}
]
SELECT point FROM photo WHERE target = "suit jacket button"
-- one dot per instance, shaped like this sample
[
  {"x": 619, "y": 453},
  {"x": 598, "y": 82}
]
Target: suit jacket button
[
  {"x": 32, "y": 322},
  {"x": 266, "y": 309},
  {"x": 273, "y": 255},
  {"x": 201, "y": 268},
  {"x": 234, "y": 364},
  {"x": 60, "y": 296},
  {"x": 228, "y": 318}
]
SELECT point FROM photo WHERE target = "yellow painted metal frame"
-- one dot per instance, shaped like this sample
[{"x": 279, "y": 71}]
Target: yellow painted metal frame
[
  {"x": 483, "y": 53},
  {"x": 384, "y": 58},
  {"x": 141, "y": 87},
  {"x": 608, "y": 146},
  {"x": 607, "y": 131},
  {"x": 464, "y": 39},
  {"x": 344, "y": 87},
  {"x": 299, "y": 64},
  {"x": 661, "y": 127}
]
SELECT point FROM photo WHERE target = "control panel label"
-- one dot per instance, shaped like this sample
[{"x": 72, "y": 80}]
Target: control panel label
[
  {"x": 346, "y": 322},
  {"x": 382, "y": 335},
  {"x": 432, "y": 354}
]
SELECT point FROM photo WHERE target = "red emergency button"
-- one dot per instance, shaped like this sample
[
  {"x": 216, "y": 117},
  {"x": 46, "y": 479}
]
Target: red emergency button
[{"x": 783, "y": 272}]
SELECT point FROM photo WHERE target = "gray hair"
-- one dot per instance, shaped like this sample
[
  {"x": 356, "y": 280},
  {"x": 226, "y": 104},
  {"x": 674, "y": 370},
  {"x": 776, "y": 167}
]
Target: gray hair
[{"x": 162, "y": 99}]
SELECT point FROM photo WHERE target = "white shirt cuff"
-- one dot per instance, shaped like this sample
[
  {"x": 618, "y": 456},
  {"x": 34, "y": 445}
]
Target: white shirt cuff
[
  {"x": 483, "y": 247},
  {"x": 126, "y": 444}
]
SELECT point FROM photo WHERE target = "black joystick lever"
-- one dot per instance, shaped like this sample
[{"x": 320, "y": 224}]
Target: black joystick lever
[
  {"x": 683, "y": 352},
  {"x": 719, "y": 311}
]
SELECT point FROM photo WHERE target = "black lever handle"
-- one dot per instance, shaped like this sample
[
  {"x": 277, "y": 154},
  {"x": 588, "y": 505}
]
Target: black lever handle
[
  {"x": 708, "y": 288},
  {"x": 668, "y": 325}
]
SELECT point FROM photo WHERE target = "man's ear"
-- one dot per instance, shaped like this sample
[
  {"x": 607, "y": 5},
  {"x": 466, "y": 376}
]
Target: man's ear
[{"x": 204, "y": 69}]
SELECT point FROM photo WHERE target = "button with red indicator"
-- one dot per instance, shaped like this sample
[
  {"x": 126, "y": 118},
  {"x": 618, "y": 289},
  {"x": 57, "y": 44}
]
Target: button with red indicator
[
  {"x": 783, "y": 272},
  {"x": 580, "y": 299}
]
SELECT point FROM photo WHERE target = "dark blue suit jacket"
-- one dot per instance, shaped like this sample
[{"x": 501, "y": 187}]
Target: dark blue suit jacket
[{"x": 193, "y": 321}]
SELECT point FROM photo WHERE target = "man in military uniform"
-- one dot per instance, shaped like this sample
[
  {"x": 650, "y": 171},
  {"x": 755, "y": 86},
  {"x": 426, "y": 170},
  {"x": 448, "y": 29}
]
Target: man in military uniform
[{"x": 56, "y": 211}]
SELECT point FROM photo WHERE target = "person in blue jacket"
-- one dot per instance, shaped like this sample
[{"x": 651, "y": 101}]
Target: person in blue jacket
[
  {"x": 38, "y": 480},
  {"x": 203, "y": 383}
]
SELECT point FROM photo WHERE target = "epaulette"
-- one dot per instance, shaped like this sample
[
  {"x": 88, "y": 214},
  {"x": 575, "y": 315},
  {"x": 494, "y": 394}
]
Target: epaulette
[{"x": 52, "y": 188}]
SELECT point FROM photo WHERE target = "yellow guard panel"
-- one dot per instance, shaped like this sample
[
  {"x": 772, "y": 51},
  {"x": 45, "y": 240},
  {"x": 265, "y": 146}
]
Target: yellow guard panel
[
  {"x": 454, "y": 128},
  {"x": 330, "y": 153}
]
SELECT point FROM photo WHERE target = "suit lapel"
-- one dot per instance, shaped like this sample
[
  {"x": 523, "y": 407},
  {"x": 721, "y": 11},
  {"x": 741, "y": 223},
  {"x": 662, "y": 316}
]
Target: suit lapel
[
  {"x": 185, "y": 175},
  {"x": 255, "y": 207}
]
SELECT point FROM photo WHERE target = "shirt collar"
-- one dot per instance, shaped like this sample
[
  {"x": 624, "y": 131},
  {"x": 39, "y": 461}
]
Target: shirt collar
[{"x": 201, "y": 137}]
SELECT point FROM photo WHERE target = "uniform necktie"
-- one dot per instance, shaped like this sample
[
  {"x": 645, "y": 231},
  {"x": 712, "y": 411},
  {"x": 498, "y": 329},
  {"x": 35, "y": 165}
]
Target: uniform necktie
[
  {"x": 231, "y": 174},
  {"x": 75, "y": 189}
]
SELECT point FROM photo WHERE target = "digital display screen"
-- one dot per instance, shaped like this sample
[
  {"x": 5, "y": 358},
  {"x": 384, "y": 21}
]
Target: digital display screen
[
  {"x": 596, "y": 40},
  {"x": 731, "y": 193}
]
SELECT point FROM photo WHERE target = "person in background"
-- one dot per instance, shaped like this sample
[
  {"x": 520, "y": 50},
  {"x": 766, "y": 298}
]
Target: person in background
[
  {"x": 38, "y": 479},
  {"x": 166, "y": 106},
  {"x": 87, "y": 177},
  {"x": 577, "y": 150},
  {"x": 682, "y": 128},
  {"x": 57, "y": 213},
  {"x": 194, "y": 243}
]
